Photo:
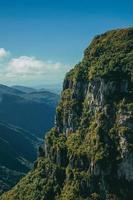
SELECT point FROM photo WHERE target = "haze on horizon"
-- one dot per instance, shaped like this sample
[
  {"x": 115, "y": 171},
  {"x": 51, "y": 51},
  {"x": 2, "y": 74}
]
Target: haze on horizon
[{"x": 41, "y": 40}]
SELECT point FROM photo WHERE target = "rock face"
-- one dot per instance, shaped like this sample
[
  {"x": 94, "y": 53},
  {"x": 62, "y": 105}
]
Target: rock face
[{"x": 88, "y": 155}]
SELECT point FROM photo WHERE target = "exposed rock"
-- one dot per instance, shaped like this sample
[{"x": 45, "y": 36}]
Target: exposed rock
[{"x": 89, "y": 153}]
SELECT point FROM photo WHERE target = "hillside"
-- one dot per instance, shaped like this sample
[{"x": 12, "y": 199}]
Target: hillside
[
  {"x": 33, "y": 111},
  {"x": 88, "y": 155},
  {"x": 24, "y": 89},
  {"x": 46, "y": 97},
  {"x": 9, "y": 90},
  {"x": 18, "y": 150}
]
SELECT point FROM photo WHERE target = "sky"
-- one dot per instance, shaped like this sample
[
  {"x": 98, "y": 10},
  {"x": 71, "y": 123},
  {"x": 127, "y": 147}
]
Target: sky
[{"x": 40, "y": 40}]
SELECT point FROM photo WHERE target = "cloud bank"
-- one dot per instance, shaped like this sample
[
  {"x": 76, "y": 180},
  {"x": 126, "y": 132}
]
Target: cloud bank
[{"x": 24, "y": 69}]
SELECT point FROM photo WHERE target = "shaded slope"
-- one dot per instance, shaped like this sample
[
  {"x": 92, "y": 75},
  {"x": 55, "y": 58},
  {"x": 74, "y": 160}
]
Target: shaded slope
[
  {"x": 9, "y": 90},
  {"x": 24, "y": 89},
  {"x": 43, "y": 96},
  {"x": 31, "y": 111},
  {"x": 18, "y": 150},
  {"x": 88, "y": 155}
]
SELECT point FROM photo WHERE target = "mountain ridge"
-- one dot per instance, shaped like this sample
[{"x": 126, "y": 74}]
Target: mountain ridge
[
  {"x": 35, "y": 104},
  {"x": 18, "y": 109},
  {"x": 24, "y": 88},
  {"x": 88, "y": 155}
]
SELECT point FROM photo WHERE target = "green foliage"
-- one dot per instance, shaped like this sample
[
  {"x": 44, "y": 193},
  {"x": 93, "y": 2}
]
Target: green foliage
[
  {"x": 110, "y": 52},
  {"x": 83, "y": 164}
]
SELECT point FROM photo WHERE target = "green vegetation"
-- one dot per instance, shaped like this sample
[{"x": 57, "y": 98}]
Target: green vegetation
[
  {"x": 88, "y": 154},
  {"x": 17, "y": 154},
  {"x": 35, "y": 107}
]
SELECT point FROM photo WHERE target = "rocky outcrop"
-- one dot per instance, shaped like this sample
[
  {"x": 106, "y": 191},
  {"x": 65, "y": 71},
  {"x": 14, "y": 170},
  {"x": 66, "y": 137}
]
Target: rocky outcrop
[{"x": 89, "y": 153}]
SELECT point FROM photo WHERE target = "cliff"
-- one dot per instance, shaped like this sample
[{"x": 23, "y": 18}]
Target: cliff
[{"x": 88, "y": 155}]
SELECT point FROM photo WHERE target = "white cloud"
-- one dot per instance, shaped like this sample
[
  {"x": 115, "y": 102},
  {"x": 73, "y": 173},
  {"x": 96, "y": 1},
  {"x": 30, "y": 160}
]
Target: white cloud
[
  {"x": 30, "y": 66},
  {"x": 3, "y": 53},
  {"x": 25, "y": 68}
]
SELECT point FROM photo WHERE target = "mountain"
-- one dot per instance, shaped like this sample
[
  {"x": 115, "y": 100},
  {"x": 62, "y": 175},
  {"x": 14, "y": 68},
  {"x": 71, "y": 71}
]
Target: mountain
[
  {"x": 47, "y": 97},
  {"x": 9, "y": 90},
  {"x": 32, "y": 111},
  {"x": 18, "y": 150},
  {"x": 54, "y": 88},
  {"x": 88, "y": 155},
  {"x": 24, "y": 89},
  {"x": 40, "y": 95}
]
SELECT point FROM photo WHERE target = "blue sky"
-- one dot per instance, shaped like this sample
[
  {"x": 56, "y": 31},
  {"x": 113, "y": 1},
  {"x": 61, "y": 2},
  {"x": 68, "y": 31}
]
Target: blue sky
[{"x": 53, "y": 35}]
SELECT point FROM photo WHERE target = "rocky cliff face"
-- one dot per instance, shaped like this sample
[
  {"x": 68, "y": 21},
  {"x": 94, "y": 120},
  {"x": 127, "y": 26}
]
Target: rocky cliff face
[{"x": 89, "y": 153}]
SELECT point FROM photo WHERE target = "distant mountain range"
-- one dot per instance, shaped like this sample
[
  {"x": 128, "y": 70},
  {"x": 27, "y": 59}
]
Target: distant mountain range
[
  {"x": 24, "y": 89},
  {"x": 25, "y": 115},
  {"x": 53, "y": 88},
  {"x": 28, "y": 108}
]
